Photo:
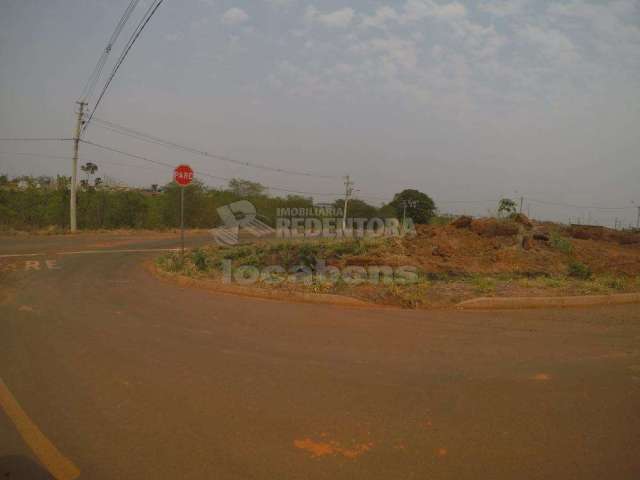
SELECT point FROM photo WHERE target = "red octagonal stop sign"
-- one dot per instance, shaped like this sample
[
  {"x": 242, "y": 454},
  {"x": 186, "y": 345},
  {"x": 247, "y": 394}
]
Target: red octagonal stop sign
[{"x": 183, "y": 175}]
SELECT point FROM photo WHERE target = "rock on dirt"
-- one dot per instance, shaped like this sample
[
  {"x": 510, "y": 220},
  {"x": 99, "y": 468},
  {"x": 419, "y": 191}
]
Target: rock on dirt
[
  {"x": 490, "y": 227},
  {"x": 587, "y": 232},
  {"x": 462, "y": 222},
  {"x": 443, "y": 251},
  {"x": 523, "y": 220},
  {"x": 541, "y": 236},
  {"x": 624, "y": 237},
  {"x": 598, "y": 233}
]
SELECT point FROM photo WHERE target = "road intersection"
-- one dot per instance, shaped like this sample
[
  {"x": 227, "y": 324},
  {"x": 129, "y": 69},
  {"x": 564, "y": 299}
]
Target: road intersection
[{"x": 129, "y": 376}]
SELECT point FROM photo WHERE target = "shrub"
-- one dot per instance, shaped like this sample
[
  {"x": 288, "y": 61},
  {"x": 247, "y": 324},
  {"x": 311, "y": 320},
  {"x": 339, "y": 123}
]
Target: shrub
[
  {"x": 307, "y": 254},
  {"x": 554, "y": 282},
  {"x": 561, "y": 243},
  {"x": 444, "y": 220},
  {"x": 199, "y": 259},
  {"x": 346, "y": 247},
  {"x": 579, "y": 270},
  {"x": 484, "y": 284},
  {"x": 170, "y": 262},
  {"x": 613, "y": 283}
]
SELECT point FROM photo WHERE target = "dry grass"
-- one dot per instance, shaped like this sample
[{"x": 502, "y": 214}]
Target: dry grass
[{"x": 452, "y": 264}]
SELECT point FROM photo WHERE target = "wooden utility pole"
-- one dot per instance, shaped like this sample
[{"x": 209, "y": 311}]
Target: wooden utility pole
[
  {"x": 74, "y": 171},
  {"x": 348, "y": 185}
]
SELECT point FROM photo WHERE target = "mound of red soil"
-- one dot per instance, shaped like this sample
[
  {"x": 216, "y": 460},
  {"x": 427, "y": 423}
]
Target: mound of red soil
[
  {"x": 490, "y": 227},
  {"x": 522, "y": 219},
  {"x": 462, "y": 222},
  {"x": 587, "y": 232},
  {"x": 494, "y": 246},
  {"x": 624, "y": 237}
]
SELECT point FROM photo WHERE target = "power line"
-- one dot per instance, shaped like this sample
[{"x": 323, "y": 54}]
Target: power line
[
  {"x": 468, "y": 201},
  {"x": 40, "y": 155},
  {"x": 149, "y": 160},
  {"x": 200, "y": 172},
  {"x": 544, "y": 202},
  {"x": 60, "y": 157},
  {"x": 588, "y": 207},
  {"x": 121, "y": 130},
  {"x": 127, "y": 154},
  {"x": 205, "y": 174},
  {"x": 102, "y": 60},
  {"x": 134, "y": 36},
  {"x": 34, "y": 139}
]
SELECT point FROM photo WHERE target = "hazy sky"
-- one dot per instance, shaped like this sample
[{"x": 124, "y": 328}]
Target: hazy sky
[{"x": 467, "y": 101}]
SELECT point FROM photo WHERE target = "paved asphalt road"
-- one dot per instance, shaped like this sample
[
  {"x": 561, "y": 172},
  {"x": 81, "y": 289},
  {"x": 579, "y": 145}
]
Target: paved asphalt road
[{"x": 130, "y": 377}]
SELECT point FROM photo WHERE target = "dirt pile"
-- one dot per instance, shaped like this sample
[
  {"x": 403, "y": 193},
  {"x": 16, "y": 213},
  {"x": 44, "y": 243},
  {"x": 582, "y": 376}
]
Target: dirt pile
[
  {"x": 518, "y": 245},
  {"x": 587, "y": 232},
  {"x": 491, "y": 227},
  {"x": 488, "y": 246},
  {"x": 523, "y": 220},
  {"x": 462, "y": 222}
]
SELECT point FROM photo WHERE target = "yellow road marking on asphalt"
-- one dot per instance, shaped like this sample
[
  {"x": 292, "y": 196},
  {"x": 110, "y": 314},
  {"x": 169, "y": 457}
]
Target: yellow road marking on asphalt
[{"x": 60, "y": 467}]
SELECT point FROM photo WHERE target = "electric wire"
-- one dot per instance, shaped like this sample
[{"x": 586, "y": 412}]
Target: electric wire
[
  {"x": 34, "y": 139},
  {"x": 153, "y": 7},
  {"x": 587, "y": 207},
  {"x": 202, "y": 173},
  {"x": 129, "y": 132},
  {"x": 102, "y": 60},
  {"x": 60, "y": 157}
]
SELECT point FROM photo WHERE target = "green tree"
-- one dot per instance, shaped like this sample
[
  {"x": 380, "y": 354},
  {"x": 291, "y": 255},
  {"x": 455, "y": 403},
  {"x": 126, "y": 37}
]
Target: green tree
[
  {"x": 357, "y": 208},
  {"x": 199, "y": 211},
  {"x": 418, "y": 206},
  {"x": 506, "y": 206},
  {"x": 89, "y": 168},
  {"x": 246, "y": 188}
]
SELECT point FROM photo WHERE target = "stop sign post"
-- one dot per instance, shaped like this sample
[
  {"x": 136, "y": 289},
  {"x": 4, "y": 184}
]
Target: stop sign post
[{"x": 183, "y": 176}]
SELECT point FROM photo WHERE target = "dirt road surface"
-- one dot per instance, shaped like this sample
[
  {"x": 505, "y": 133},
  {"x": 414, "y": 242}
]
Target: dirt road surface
[{"x": 130, "y": 377}]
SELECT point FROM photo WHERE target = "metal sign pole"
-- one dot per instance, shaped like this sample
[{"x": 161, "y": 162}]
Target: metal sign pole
[
  {"x": 183, "y": 176},
  {"x": 182, "y": 219}
]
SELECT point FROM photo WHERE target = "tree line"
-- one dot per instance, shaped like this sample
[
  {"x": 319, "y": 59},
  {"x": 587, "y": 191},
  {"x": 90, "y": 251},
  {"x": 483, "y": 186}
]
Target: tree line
[{"x": 33, "y": 206}]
